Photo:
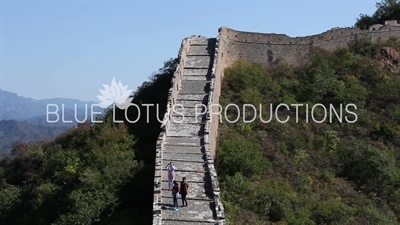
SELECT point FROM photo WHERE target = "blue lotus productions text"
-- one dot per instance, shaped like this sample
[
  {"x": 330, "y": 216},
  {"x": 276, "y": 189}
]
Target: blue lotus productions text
[{"x": 325, "y": 113}]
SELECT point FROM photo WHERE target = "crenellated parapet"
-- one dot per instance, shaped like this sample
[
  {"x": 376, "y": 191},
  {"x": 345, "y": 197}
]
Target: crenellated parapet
[{"x": 271, "y": 48}]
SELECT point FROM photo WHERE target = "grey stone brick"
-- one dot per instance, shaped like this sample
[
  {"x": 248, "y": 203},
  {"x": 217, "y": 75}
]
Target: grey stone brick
[
  {"x": 198, "y": 62},
  {"x": 195, "y": 72}
]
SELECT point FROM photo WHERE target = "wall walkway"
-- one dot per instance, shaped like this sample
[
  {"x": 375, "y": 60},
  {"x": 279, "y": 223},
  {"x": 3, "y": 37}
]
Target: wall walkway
[{"x": 185, "y": 141}]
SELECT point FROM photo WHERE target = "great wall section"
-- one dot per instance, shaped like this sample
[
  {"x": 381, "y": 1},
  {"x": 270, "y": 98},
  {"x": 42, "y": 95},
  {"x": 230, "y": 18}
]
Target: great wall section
[{"x": 191, "y": 144}]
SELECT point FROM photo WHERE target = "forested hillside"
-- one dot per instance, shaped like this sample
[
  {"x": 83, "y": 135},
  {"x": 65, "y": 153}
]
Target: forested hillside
[
  {"x": 13, "y": 132},
  {"x": 295, "y": 173},
  {"x": 93, "y": 174},
  {"x": 308, "y": 173}
]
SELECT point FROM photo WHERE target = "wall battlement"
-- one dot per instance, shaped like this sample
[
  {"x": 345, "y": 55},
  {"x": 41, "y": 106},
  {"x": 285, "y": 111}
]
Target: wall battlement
[
  {"x": 283, "y": 39},
  {"x": 272, "y": 48}
]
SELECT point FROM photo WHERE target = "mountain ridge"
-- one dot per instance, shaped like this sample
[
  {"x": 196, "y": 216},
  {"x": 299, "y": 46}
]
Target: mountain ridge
[
  {"x": 24, "y": 119},
  {"x": 14, "y": 106},
  {"x": 13, "y": 132}
]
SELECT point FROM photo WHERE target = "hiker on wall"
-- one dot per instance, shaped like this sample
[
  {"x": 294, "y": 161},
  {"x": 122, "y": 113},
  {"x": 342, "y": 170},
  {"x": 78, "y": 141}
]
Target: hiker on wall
[
  {"x": 175, "y": 195},
  {"x": 171, "y": 174},
  {"x": 184, "y": 191}
]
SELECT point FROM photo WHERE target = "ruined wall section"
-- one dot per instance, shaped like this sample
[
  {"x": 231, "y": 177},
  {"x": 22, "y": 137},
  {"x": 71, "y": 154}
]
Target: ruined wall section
[{"x": 270, "y": 49}]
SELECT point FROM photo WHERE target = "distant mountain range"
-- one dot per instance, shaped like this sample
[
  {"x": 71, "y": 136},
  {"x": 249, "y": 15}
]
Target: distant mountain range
[
  {"x": 25, "y": 119},
  {"x": 13, "y": 132},
  {"x": 14, "y": 107}
]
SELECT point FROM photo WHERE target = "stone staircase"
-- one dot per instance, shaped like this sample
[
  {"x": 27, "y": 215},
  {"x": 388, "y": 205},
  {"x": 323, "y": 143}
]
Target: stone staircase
[{"x": 183, "y": 144}]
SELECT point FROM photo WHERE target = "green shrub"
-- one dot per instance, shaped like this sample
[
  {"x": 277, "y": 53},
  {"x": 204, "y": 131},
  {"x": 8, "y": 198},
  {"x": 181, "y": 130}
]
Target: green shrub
[{"x": 302, "y": 172}]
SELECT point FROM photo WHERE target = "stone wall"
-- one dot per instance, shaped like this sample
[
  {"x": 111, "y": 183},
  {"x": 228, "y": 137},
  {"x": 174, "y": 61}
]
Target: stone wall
[
  {"x": 217, "y": 76},
  {"x": 270, "y": 49},
  {"x": 210, "y": 132}
]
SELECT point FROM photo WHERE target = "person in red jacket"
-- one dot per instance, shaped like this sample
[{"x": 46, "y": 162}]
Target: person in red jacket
[
  {"x": 184, "y": 191},
  {"x": 175, "y": 192}
]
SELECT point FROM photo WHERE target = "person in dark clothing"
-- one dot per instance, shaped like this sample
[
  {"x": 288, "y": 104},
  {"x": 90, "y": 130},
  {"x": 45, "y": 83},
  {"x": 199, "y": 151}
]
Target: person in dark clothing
[
  {"x": 184, "y": 189},
  {"x": 175, "y": 191}
]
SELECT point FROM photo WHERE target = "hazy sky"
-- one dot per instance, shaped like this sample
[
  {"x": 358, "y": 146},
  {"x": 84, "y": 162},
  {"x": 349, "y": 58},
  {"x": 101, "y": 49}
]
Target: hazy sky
[{"x": 71, "y": 48}]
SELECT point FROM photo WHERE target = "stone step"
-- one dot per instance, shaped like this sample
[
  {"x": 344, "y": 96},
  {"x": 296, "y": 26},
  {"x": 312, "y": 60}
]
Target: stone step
[
  {"x": 202, "y": 41},
  {"x": 191, "y": 104},
  {"x": 197, "y": 210},
  {"x": 197, "y": 62},
  {"x": 197, "y": 190},
  {"x": 188, "y": 119},
  {"x": 190, "y": 197},
  {"x": 202, "y": 78},
  {"x": 183, "y": 142},
  {"x": 199, "y": 195},
  {"x": 193, "y": 97},
  {"x": 196, "y": 181},
  {"x": 181, "y": 107},
  {"x": 195, "y": 72},
  {"x": 184, "y": 149},
  {"x": 173, "y": 156},
  {"x": 184, "y": 130},
  {"x": 187, "y": 222},
  {"x": 202, "y": 50},
  {"x": 185, "y": 166},
  {"x": 201, "y": 184},
  {"x": 194, "y": 87},
  {"x": 180, "y": 110}
]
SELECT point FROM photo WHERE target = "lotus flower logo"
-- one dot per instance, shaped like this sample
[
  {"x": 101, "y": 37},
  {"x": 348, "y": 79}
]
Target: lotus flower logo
[{"x": 115, "y": 94}]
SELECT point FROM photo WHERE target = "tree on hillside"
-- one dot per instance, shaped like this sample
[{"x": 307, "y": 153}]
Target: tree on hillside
[
  {"x": 385, "y": 10},
  {"x": 90, "y": 174},
  {"x": 145, "y": 132},
  {"x": 155, "y": 91},
  {"x": 311, "y": 173}
]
